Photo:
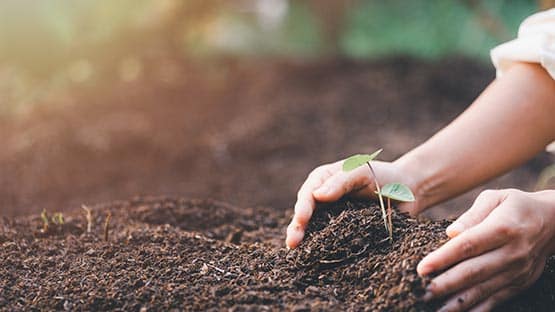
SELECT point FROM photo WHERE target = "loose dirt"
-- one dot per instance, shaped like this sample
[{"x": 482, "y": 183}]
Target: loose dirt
[{"x": 165, "y": 253}]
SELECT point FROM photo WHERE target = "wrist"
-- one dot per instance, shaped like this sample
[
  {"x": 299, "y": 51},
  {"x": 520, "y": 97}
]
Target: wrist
[{"x": 416, "y": 173}]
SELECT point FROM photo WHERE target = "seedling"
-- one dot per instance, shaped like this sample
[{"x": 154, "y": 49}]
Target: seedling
[
  {"x": 107, "y": 225},
  {"x": 391, "y": 191},
  {"x": 45, "y": 222},
  {"x": 88, "y": 216},
  {"x": 58, "y": 218}
]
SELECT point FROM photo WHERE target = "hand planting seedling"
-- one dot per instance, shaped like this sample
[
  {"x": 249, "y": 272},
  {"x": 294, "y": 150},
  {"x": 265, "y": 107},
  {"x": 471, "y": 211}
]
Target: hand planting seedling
[{"x": 395, "y": 191}]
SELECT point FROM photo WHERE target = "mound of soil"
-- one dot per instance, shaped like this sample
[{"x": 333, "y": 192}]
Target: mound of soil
[{"x": 164, "y": 253}]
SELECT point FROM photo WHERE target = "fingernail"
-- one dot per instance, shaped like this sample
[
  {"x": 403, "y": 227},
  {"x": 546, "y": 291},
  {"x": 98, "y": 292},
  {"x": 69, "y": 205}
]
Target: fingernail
[
  {"x": 428, "y": 296},
  {"x": 421, "y": 269},
  {"x": 445, "y": 308},
  {"x": 454, "y": 229}
]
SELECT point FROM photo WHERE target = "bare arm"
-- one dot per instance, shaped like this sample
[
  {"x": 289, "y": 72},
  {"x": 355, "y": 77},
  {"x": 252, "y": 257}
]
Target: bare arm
[{"x": 511, "y": 121}]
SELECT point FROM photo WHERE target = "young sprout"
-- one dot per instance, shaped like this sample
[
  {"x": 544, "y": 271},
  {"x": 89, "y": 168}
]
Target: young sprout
[
  {"x": 392, "y": 191},
  {"x": 58, "y": 218},
  {"x": 88, "y": 216},
  {"x": 107, "y": 225},
  {"x": 45, "y": 222}
]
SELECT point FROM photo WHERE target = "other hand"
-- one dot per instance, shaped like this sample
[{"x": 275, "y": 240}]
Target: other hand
[{"x": 498, "y": 248}]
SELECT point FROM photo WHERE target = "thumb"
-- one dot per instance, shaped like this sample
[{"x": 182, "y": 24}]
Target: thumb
[{"x": 482, "y": 207}]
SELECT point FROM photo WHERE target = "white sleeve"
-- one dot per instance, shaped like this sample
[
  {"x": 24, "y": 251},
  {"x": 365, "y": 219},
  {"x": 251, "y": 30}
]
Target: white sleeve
[{"x": 535, "y": 44}]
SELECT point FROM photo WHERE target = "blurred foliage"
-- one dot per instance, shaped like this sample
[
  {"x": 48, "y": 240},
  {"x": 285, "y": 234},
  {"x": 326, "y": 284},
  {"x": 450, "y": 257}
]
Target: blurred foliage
[
  {"x": 46, "y": 44},
  {"x": 429, "y": 29}
]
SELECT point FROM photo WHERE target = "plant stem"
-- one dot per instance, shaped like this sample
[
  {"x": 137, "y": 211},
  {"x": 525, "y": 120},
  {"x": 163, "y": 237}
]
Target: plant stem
[
  {"x": 89, "y": 218},
  {"x": 380, "y": 197},
  {"x": 389, "y": 222},
  {"x": 107, "y": 225}
]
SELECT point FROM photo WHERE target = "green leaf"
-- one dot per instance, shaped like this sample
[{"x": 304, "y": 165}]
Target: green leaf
[
  {"x": 358, "y": 160},
  {"x": 397, "y": 191}
]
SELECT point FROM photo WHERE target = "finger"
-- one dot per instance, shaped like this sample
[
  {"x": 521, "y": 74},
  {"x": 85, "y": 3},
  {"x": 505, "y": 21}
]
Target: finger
[
  {"x": 468, "y": 298},
  {"x": 480, "y": 209},
  {"x": 468, "y": 273},
  {"x": 473, "y": 242},
  {"x": 342, "y": 183},
  {"x": 493, "y": 301},
  {"x": 305, "y": 204},
  {"x": 295, "y": 234}
]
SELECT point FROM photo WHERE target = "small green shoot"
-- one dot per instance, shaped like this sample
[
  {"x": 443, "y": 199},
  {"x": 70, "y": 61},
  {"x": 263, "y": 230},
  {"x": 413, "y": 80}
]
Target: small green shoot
[
  {"x": 58, "y": 218},
  {"x": 392, "y": 191},
  {"x": 45, "y": 222}
]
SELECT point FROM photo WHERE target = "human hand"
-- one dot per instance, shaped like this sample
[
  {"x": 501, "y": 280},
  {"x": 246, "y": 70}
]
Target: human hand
[
  {"x": 498, "y": 248},
  {"x": 329, "y": 183}
]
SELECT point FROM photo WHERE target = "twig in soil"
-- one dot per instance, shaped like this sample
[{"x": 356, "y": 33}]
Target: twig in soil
[
  {"x": 206, "y": 266},
  {"x": 107, "y": 225},
  {"x": 216, "y": 268},
  {"x": 324, "y": 261},
  {"x": 88, "y": 216}
]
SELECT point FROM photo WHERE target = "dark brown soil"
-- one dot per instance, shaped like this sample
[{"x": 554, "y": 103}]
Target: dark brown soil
[{"x": 163, "y": 253}]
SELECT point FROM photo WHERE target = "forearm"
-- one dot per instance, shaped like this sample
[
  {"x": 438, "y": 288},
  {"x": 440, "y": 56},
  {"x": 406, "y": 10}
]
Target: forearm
[{"x": 511, "y": 121}]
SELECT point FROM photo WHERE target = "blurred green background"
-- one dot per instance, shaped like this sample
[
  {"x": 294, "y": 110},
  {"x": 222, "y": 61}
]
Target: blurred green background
[{"x": 44, "y": 45}]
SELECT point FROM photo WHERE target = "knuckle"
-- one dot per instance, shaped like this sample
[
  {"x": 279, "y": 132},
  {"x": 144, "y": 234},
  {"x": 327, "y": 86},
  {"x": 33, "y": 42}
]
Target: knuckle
[
  {"x": 518, "y": 283},
  {"x": 473, "y": 272},
  {"x": 349, "y": 185},
  {"x": 303, "y": 215},
  {"x": 313, "y": 173},
  {"x": 507, "y": 229},
  {"x": 487, "y": 194},
  {"x": 468, "y": 220},
  {"x": 318, "y": 171},
  {"x": 294, "y": 226},
  {"x": 472, "y": 296},
  {"x": 482, "y": 291},
  {"x": 468, "y": 247},
  {"x": 520, "y": 259}
]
